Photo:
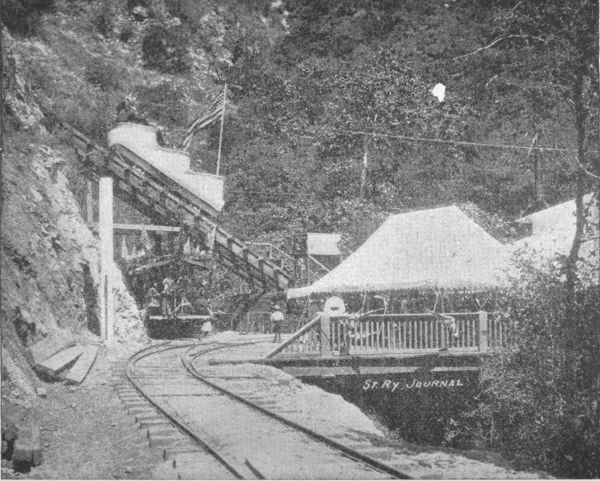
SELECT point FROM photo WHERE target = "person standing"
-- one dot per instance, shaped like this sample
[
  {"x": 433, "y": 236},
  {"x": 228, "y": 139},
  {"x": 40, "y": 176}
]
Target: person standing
[
  {"x": 277, "y": 320},
  {"x": 167, "y": 296},
  {"x": 152, "y": 297}
]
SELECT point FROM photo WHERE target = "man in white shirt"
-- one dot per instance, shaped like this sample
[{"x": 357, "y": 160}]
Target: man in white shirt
[{"x": 277, "y": 320}]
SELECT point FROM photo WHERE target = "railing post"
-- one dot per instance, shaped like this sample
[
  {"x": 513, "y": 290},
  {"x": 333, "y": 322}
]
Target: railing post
[
  {"x": 483, "y": 332},
  {"x": 325, "y": 334}
]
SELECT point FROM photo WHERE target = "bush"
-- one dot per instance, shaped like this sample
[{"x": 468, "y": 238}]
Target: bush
[
  {"x": 103, "y": 21},
  {"x": 127, "y": 33},
  {"x": 534, "y": 406},
  {"x": 22, "y": 16},
  {"x": 166, "y": 49},
  {"x": 102, "y": 74},
  {"x": 165, "y": 103}
]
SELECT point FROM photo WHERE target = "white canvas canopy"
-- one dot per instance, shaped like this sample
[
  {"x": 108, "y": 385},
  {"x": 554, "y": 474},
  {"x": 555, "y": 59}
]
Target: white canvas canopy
[
  {"x": 436, "y": 248},
  {"x": 553, "y": 230},
  {"x": 323, "y": 244}
]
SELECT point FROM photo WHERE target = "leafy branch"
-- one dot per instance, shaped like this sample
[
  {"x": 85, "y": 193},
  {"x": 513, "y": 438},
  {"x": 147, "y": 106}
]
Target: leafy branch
[{"x": 497, "y": 41}]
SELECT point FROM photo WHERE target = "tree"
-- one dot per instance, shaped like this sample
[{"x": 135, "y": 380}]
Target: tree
[
  {"x": 22, "y": 16},
  {"x": 166, "y": 49},
  {"x": 569, "y": 31}
]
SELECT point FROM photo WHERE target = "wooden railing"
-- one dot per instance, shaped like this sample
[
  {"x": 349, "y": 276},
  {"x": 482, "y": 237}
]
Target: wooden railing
[
  {"x": 476, "y": 332},
  {"x": 315, "y": 270}
]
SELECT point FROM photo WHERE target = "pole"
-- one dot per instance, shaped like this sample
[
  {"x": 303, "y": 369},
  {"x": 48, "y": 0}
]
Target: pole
[
  {"x": 365, "y": 163},
  {"x": 89, "y": 213},
  {"x": 221, "y": 133},
  {"x": 106, "y": 258},
  {"x": 365, "y": 166}
]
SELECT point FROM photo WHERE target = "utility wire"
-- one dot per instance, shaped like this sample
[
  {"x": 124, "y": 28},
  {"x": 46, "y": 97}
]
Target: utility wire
[{"x": 459, "y": 142}]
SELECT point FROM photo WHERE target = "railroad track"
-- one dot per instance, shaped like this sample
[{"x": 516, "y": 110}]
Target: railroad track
[{"x": 211, "y": 431}]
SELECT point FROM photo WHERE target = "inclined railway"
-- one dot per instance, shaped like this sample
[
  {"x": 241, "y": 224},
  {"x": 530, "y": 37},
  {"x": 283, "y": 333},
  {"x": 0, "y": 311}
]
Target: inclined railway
[{"x": 141, "y": 184}]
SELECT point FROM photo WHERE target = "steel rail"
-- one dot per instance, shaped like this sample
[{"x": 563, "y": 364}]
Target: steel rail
[
  {"x": 188, "y": 362},
  {"x": 162, "y": 347}
]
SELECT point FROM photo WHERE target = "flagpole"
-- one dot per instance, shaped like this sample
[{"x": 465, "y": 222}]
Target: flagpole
[{"x": 221, "y": 133}]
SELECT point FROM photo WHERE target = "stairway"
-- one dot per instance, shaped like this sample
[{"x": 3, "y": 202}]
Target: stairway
[
  {"x": 159, "y": 193},
  {"x": 316, "y": 270}
]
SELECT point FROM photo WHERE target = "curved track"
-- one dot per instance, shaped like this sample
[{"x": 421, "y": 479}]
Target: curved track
[{"x": 249, "y": 440}]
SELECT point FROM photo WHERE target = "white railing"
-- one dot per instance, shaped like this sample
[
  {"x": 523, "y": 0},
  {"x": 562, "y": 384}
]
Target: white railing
[{"x": 477, "y": 332}]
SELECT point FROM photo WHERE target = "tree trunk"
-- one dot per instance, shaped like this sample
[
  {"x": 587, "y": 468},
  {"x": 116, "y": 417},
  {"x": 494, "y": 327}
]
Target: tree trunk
[
  {"x": 571, "y": 324},
  {"x": 538, "y": 175},
  {"x": 363, "y": 172}
]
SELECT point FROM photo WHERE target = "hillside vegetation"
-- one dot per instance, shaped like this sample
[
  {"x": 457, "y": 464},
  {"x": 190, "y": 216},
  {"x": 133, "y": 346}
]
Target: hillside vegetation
[
  {"x": 303, "y": 78},
  {"x": 331, "y": 125}
]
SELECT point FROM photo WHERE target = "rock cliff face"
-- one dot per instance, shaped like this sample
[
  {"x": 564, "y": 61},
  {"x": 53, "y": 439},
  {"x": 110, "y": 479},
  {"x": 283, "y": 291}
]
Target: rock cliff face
[{"x": 50, "y": 258}]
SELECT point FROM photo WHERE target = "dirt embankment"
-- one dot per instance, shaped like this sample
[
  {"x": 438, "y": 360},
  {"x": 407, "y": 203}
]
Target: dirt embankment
[{"x": 50, "y": 263}]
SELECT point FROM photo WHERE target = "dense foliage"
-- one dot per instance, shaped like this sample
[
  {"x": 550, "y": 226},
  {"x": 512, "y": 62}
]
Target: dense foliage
[
  {"x": 165, "y": 49},
  {"x": 332, "y": 126},
  {"x": 530, "y": 407},
  {"x": 22, "y": 16}
]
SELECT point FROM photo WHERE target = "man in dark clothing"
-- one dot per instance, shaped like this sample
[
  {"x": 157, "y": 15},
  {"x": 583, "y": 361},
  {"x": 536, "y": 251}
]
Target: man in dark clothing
[{"x": 152, "y": 298}]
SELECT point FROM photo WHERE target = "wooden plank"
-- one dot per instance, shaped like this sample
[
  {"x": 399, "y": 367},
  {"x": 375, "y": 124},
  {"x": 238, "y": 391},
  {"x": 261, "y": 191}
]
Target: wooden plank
[
  {"x": 483, "y": 331},
  {"x": 386, "y": 369},
  {"x": 82, "y": 366},
  {"x": 454, "y": 368},
  {"x": 362, "y": 339},
  {"x": 319, "y": 371},
  {"x": 325, "y": 335},
  {"x": 60, "y": 361},
  {"x": 51, "y": 345},
  {"x": 146, "y": 227},
  {"x": 294, "y": 337}
]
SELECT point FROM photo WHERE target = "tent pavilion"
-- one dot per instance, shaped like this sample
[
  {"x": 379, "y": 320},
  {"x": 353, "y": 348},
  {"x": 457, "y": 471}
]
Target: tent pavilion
[
  {"x": 438, "y": 248},
  {"x": 553, "y": 230}
]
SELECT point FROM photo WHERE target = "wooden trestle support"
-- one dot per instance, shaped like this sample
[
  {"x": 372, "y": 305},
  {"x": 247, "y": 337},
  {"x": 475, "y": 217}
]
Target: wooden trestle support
[{"x": 139, "y": 183}]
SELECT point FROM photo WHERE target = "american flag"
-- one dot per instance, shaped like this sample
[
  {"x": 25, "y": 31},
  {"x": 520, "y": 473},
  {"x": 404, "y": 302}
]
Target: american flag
[{"x": 215, "y": 111}]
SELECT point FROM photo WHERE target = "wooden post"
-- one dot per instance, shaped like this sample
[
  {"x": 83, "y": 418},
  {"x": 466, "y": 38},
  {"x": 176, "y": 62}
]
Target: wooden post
[
  {"x": 483, "y": 332},
  {"x": 325, "y": 334},
  {"x": 106, "y": 258},
  {"x": 307, "y": 267},
  {"x": 89, "y": 206}
]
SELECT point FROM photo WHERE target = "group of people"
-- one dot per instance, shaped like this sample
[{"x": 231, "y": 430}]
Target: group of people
[{"x": 163, "y": 299}]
